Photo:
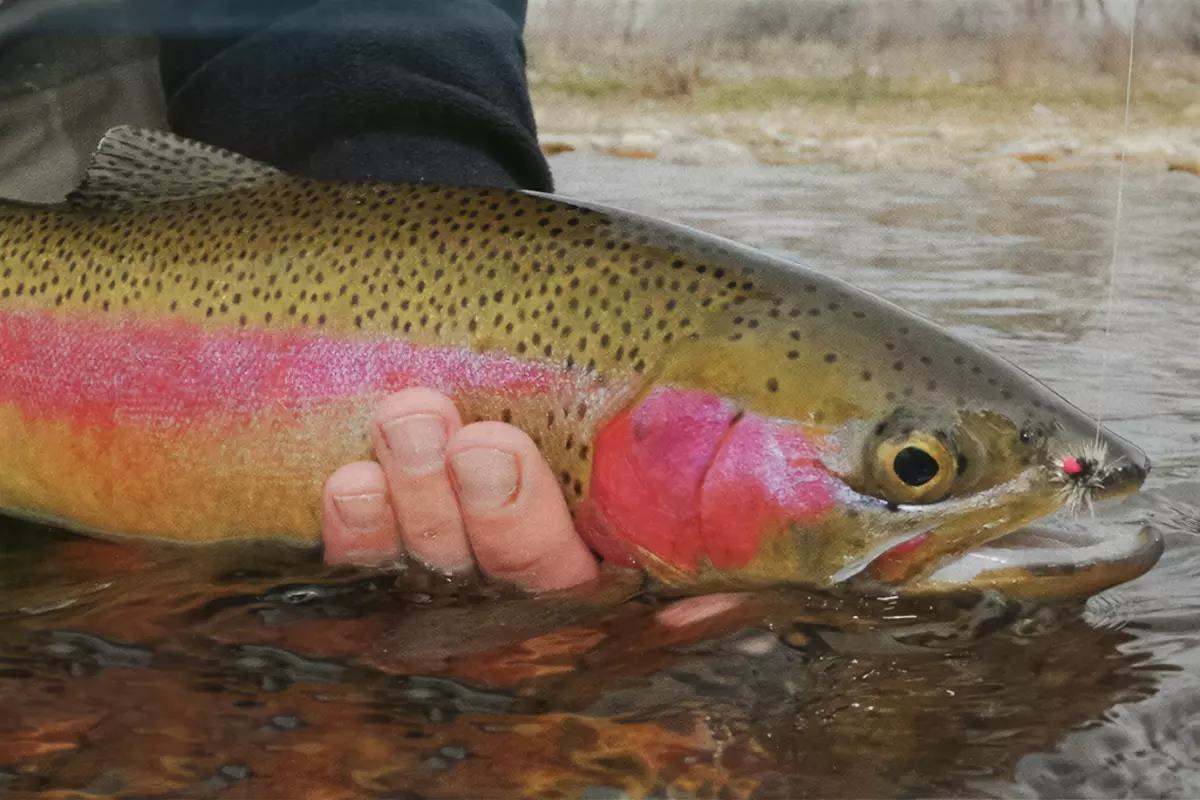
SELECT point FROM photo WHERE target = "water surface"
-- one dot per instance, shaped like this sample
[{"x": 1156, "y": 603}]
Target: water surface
[{"x": 256, "y": 672}]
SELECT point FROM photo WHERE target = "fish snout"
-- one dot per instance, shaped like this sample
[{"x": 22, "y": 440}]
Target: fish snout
[
  {"x": 1106, "y": 465},
  {"x": 1124, "y": 468},
  {"x": 1126, "y": 473},
  {"x": 1135, "y": 469}
]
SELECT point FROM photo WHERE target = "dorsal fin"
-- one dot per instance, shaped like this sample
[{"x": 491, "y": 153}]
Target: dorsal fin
[{"x": 136, "y": 166}]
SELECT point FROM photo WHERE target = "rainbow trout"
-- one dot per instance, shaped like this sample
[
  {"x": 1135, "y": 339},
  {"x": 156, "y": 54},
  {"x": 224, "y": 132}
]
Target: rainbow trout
[{"x": 192, "y": 342}]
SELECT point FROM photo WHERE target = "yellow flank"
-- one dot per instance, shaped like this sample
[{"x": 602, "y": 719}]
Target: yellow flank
[
  {"x": 207, "y": 485},
  {"x": 250, "y": 477}
]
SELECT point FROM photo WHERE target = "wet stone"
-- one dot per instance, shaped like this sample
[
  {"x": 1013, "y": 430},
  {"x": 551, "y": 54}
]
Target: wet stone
[
  {"x": 97, "y": 651},
  {"x": 235, "y": 772},
  {"x": 270, "y": 683},
  {"x": 758, "y": 643},
  {"x": 304, "y": 594},
  {"x": 286, "y": 722}
]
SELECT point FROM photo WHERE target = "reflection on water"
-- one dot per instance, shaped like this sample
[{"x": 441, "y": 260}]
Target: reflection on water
[{"x": 255, "y": 673}]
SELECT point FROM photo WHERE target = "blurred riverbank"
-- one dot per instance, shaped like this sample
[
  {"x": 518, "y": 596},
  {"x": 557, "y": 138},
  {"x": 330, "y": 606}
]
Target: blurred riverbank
[{"x": 1000, "y": 88}]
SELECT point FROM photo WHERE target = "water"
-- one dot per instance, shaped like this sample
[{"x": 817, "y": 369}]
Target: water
[{"x": 257, "y": 672}]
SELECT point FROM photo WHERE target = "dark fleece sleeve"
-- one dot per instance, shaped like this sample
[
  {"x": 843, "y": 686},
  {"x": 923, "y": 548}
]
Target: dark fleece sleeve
[{"x": 392, "y": 90}]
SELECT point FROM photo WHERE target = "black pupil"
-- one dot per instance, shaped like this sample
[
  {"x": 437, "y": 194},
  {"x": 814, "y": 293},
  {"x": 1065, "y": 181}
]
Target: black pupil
[{"x": 914, "y": 466}]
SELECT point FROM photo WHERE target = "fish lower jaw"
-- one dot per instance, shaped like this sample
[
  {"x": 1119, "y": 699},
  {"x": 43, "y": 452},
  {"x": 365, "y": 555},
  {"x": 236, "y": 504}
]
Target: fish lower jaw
[{"x": 1048, "y": 562}]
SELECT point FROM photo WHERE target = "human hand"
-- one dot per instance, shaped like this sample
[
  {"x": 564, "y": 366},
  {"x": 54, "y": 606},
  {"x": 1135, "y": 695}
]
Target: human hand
[
  {"x": 453, "y": 497},
  {"x": 458, "y": 497}
]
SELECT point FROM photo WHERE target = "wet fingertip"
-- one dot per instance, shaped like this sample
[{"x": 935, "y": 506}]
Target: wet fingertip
[
  {"x": 357, "y": 523},
  {"x": 486, "y": 478},
  {"x": 492, "y": 464},
  {"x": 359, "y": 477},
  {"x": 364, "y": 511},
  {"x": 498, "y": 436},
  {"x": 695, "y": 610},
  {"x": 494, "y": 433},
  {"x": 411, "y": 429},
  {"x": 418, "y": 400},
  {"x": 417, "y": 442}
]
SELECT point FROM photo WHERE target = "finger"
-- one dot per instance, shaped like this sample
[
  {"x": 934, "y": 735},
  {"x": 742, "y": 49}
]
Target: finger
[
  {"x": 696, "y": 610},
  {"x": 357, "y": 525},
  {"x": 513, "y": 509},
  {"x": 410, "y": 432}
]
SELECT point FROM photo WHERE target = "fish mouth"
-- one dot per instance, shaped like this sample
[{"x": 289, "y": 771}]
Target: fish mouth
[
  {"x": 1015, "y": 542},
  {"x": 1043, "y": 562}
]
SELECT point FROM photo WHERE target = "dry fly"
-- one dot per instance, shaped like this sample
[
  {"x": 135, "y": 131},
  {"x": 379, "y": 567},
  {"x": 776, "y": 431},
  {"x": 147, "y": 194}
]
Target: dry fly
[{"x": 1083, "y": 474}]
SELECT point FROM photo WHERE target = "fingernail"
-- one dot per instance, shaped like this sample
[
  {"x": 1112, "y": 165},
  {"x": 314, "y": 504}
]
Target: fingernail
[
  {"x": 362, "y": 511},
  {"x": 418, "y": 443},
  {"x": 487, "y": 478}
]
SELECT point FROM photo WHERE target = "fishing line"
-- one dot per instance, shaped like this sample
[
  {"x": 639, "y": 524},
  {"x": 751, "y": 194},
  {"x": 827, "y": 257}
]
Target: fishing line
[{"x": 1116, "y": 239}]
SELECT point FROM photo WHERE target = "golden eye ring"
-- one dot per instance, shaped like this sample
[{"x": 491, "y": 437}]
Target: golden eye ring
[{"x": 915, "y": 468}]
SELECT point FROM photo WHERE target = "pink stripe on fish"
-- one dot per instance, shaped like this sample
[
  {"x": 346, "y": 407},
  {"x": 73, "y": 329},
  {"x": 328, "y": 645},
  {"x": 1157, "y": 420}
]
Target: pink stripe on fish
[{"x": 93, "y": 369}]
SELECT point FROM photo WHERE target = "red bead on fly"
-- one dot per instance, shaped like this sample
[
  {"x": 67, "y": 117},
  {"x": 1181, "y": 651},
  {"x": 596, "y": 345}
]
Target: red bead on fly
[{"x": 1071, "y": 466}]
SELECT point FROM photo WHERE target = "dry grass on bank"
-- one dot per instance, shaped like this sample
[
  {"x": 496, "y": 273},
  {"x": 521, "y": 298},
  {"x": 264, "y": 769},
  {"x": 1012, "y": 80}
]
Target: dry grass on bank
[{"x": 796, "y": 94}]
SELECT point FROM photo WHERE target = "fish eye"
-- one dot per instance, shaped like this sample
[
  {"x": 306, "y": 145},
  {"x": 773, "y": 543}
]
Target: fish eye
[{"x": 914, "y": 468}]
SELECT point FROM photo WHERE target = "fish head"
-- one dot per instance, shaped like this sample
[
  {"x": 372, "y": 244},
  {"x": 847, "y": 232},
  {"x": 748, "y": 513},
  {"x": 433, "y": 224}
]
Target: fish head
[
  {"x": 948, "y": 492},
  {"x": 875, "y": 451}
]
